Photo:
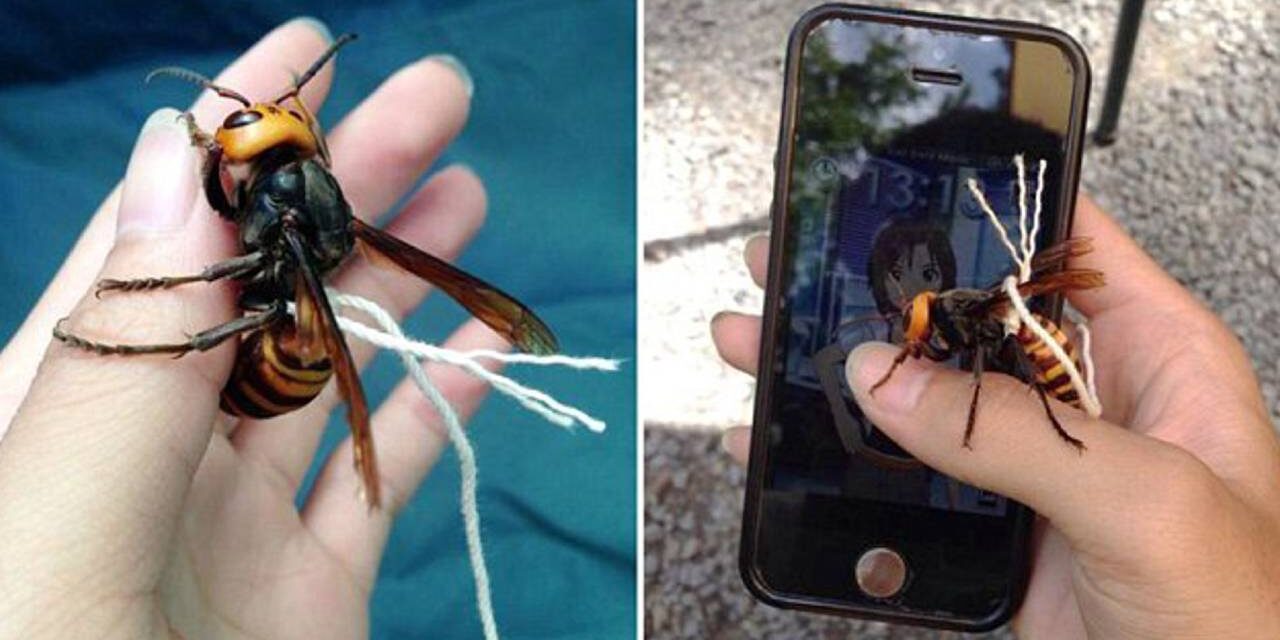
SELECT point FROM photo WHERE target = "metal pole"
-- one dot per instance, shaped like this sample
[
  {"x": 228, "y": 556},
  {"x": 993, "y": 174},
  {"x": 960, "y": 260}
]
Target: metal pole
[{"x": 1118, "y": 77}]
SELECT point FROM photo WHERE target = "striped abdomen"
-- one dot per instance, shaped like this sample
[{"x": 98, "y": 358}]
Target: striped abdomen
[
  {"x": 1050, "y": 373},
  {"x": 269, "y": 379}
]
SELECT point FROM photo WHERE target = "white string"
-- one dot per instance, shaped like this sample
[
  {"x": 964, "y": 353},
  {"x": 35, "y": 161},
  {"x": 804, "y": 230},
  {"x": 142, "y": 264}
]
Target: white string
[
  {"x": 1021, "y": 316},
  {"x": 1086, "y": 345},
  {"x": 1022, "y": 204},
  {"x": 1091, "y": 405},
  {"x": 1086, "y": 355},
  {"x": 1035, "y": 222},
  {"x": 537, "y": 401},
  {"x": 411, "y": 353}
]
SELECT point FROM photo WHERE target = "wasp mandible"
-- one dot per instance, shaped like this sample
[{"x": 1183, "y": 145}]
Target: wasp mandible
[{"x": 267, "y": 170}]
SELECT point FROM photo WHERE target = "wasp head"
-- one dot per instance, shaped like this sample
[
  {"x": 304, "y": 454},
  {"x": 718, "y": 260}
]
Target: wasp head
[{"x": 916, "y": 321}]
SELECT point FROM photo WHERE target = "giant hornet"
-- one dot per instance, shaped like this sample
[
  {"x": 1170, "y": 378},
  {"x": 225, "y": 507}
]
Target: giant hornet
[
  {"x": 267, "y": 170},
  {"x": 971, "y": 323}
]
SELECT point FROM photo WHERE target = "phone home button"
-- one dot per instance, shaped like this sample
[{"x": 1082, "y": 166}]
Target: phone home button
[{"x": 881, "y": 572}]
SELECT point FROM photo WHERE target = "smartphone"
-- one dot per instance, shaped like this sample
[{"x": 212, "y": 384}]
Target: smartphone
[{"x": 886, "y": 115}]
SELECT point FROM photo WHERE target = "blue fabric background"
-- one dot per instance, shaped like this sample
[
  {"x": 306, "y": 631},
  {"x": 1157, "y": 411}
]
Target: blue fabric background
[{"x": 552, "y": 133}]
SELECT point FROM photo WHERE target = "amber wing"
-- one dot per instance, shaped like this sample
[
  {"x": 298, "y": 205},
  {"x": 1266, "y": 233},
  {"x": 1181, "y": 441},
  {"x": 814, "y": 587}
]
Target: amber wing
[
  {"x": 1058, "y": 254},
  {"x": 1042, "y": 282},
  {"x": 343, "y": 365},
  {"x": 504, "y": 314}
]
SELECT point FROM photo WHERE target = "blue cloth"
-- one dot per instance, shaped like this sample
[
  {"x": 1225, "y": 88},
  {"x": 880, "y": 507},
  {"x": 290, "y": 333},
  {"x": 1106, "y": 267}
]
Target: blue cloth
[{"x": 552, "y": 133}]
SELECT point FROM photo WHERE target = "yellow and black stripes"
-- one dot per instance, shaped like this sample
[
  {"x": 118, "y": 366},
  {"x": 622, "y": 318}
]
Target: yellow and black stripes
[
  {"x": 269, "y": 380},
  {"x": 1050, "y": 374}
]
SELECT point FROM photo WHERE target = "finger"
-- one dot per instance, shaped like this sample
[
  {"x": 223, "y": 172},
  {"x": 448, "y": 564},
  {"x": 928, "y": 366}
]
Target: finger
[
  {"x": 441, "y": 218},
  {"x": 1014, "y": 450},
  {"x": 409, "y": 435},
  {"x": 756, "y": 255},
  {"x": 1182, "y": 340},
  {"x": 20, "y": 357},
  {"x": 384, "y": 146},
  {"x": 1049, "y": 607},
  {"x": 104, "y": 447},
  {"x": 737, "y": 339},
  {"x": 294, "y": 44},
  {"x": 736, "y": 441},
  {"x": 1133, "y": 277}
]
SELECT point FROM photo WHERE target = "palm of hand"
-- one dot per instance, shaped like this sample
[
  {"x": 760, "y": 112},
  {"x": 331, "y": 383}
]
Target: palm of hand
[
  {"x": 192, "y": 526},
  {"x": 1170, "y": 370},
  {"x": 246, "y": 565}
]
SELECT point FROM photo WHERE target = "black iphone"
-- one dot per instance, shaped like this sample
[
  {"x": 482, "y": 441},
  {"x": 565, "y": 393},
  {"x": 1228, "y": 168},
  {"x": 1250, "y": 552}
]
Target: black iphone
[{"x": 886, "y": 115}]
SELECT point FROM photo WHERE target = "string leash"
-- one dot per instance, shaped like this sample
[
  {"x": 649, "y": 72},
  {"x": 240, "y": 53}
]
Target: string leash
[
  {"x": 389, "y": 335},
  {"x": 1019, "y": 315}
]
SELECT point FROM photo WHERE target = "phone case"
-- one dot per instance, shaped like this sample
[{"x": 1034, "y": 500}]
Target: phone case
[{"x": 773, "y": 296}]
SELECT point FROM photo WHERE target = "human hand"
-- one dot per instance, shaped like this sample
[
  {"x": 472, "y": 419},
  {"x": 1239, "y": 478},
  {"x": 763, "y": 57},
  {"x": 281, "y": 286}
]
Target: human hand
[
  {"x": 1168, "y": 524},
  {"x": 129, "y": 505}
]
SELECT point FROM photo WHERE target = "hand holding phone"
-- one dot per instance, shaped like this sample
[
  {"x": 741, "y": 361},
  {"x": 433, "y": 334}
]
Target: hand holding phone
[
  {"x": 1170, "y": 520},
  {"x": 886, "y": 117}
]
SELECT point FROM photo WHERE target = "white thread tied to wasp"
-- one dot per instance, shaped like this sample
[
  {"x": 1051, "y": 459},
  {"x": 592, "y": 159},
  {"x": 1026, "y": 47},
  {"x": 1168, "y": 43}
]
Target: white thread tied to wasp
[
  {"x": 412, "y": 352},
  {"x": 1019, "y": 315}
]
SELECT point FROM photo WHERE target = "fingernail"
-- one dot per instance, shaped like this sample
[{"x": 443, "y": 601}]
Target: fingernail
[
  {"x": 319, "y": 27},
  {"x": 458, "y": 68},
  {"x": 727, "y": 438},
  {"x": 160, "y": 183},
  {"x": 869, "y": 362}
]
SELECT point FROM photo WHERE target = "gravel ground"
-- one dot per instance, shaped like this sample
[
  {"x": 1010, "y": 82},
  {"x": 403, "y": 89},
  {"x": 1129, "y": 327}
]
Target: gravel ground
[{"x": 1193, "y": 177}]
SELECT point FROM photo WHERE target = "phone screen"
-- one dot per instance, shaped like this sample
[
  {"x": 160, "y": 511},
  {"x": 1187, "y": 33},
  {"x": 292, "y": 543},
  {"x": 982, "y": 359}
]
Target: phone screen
[{"x": 890, "y": 122}]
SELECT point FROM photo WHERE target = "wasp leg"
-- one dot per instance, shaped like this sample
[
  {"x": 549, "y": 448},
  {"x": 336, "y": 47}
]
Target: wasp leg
[
  {"x": 203, "y": 341},
  {"x": 978, "y": 365},
  {"x": 199, "y": 137},
  {"x": 911, "y": 349},
  {"x": 213, "y": 191},
  {"x": 236, "y": 267},
  {"x": 1030, "y": 371},
  {"x": 1044, "y": 399}
]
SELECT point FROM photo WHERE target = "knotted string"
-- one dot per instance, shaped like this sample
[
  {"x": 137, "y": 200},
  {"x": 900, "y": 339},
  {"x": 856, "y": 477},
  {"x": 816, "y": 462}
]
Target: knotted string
[
  {"x": 1023, "y": 255},
  {"x": 411, "y": 353}
]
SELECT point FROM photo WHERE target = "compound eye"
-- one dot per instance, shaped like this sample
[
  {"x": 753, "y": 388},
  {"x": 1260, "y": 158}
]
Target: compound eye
[{"x": 241, "y": 118}]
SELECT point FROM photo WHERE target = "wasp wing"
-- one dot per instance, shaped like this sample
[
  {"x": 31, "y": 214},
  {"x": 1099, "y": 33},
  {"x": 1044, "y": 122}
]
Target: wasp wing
[
  {"x": 312, "y": 291},
  {"x": 1058, "y": 254},
  {"x": 504, "y": 314},
  {"x": 1065, "y": 280}
]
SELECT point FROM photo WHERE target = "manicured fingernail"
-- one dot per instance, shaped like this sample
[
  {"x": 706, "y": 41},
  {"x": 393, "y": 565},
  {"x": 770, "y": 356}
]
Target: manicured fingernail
[
  {"x": 160, "y": 183},
  {"x": 867, "y": 365},
  {"x": 320, "y": 27},
  {"x": 458, "y": 68}
]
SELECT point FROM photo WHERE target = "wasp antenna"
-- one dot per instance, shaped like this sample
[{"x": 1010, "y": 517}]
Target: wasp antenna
[
  {"x": 192, "y": 76},
  {"x": 303, "y": 79}
]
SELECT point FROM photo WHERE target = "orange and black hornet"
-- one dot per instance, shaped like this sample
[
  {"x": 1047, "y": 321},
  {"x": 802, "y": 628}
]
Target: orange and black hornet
[
  {"x": 267, "y": 170},
  {"x": 970, "y": 323}
]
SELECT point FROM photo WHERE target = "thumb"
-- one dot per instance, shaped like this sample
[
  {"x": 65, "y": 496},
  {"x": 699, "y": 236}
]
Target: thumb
[
  {"x": 105, "y": 445},
  {"x": 1014, "y": 449}
]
